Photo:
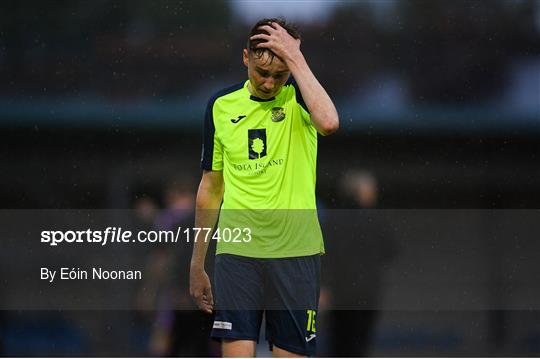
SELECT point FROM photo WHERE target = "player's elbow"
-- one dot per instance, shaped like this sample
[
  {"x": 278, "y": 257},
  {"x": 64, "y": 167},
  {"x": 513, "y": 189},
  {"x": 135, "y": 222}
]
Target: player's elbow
[
  {"x": 329, "y": 126},
  {"x": 211, "y": 189}
]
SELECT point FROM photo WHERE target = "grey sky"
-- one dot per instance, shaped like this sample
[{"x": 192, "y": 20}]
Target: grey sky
[{"x": 249, "y": 11}]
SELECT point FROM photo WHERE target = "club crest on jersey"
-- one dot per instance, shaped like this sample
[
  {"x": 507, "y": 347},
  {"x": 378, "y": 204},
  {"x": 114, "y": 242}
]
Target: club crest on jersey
[{"x": 278, "y": 114}]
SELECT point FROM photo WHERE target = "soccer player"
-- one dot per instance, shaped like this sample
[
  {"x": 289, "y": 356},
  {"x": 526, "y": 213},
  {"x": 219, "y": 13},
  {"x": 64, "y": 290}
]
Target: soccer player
[{"x": 259, "y": 152}]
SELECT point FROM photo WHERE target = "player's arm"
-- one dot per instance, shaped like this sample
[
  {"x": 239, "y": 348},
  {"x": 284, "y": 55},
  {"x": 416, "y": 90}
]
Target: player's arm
[
  {"x": 323, "y": 112},
  {"x": 209, "y": 197}
]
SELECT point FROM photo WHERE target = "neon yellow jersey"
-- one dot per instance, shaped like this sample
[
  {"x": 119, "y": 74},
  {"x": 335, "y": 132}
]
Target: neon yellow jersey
[{"x": 267, "y": 150}]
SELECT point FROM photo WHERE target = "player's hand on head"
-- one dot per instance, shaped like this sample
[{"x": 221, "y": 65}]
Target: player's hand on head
[
  {"x": 201, "y": 290},
  {"x": 278, "y": 40}
]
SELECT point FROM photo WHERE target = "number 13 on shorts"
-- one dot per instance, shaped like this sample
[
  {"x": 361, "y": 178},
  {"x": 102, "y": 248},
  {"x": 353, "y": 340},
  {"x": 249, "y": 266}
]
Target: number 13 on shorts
[{"x": 311, "y": 320}]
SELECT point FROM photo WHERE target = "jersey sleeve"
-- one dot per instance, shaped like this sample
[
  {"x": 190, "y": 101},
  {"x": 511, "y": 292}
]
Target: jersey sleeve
[
  {"x": 304, "y": 112},
  {"x": 212, "y": 149}
]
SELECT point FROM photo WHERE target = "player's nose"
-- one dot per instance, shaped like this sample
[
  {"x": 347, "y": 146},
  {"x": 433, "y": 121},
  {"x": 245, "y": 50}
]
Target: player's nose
[{"x": 269, "y": 84}]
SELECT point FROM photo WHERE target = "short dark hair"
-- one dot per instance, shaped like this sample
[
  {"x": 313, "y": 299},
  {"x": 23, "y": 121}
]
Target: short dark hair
[{"x": 252, "y": 44}]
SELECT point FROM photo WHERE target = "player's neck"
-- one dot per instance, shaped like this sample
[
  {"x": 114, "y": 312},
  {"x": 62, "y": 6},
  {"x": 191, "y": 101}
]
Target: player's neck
[{"x": 250, "y": 89}]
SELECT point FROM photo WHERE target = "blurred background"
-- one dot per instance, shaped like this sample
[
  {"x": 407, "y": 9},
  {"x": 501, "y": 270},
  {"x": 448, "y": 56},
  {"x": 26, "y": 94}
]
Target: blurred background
[{"x": 101, "y": 107}]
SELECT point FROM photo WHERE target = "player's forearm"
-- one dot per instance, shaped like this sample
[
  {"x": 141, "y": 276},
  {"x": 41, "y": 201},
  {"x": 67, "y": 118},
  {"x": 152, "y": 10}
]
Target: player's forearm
[
  {"x": 323, "y": 112},
  {"x": 206, "y": 216}
]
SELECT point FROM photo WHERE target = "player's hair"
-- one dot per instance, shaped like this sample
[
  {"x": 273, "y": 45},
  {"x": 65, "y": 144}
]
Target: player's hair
[{"x": 252, "y": 44}]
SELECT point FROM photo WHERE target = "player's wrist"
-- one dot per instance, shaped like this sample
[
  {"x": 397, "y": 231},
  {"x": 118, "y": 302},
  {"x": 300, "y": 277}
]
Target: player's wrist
[
  {"x": 196, "y": 267},
  {"x": 295, "y": 61}
]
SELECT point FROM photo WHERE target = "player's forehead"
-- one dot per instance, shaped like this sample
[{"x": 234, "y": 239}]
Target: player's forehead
[{"x": 268, "y": 63}]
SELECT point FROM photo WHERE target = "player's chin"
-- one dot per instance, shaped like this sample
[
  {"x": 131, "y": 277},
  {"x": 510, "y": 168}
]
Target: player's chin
[{"x": 265, "y": 95}]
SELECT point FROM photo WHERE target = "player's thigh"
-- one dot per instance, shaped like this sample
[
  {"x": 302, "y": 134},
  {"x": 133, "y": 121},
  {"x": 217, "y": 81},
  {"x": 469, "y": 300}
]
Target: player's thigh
[
  {"x": 293, "y": 283},
  {"x": 293, "y": 291},
  {"x": 294, "y": 331},
  {"x": 238, "y": 297},
  {"x": 278, "y": 352},
  {"x": 238, "y": 348},
  {"x": 238, "y": 283}
]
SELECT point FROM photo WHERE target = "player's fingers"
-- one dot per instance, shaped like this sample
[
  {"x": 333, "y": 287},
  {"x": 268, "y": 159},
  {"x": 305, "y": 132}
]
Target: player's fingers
[
  {"x": 195, "y": 294},
  {"x": 264, "y": 45},
  {"x": 278, "y": 29},
  {"x": 199, "y": 302},
  {"x": 268, "y": 44},
  {"x": 207, "y": 309},
  {"x": 203, "y": 305},
  {"x": 209, "y": 296},
  {"x": 200, "y": 299},
  {"x": 267, "y": 28},
  {"x": 206, "y": 306},
  {"x": 208, "y": 299},
  {"x": 261, "y": 37}
]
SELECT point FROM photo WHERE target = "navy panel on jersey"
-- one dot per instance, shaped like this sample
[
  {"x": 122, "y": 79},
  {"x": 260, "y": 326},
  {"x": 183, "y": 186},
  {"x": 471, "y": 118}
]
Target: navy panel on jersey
[{"x": 209, "y": 129}]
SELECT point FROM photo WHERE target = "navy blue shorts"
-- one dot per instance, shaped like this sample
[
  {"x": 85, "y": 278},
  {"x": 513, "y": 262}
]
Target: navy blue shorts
[{"x": 285, "y": 290}]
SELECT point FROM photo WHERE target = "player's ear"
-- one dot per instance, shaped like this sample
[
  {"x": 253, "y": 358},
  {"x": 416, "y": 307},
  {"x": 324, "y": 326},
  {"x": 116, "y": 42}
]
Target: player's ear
[{"x": 245, "y": 57}]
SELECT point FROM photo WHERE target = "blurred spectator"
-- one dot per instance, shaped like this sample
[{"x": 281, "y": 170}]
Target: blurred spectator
[
  {"x": 177, "y": 330},
  {"x": 361, "y": 189},
  {"x": 146, "y": 210},
  {"x": 179, "y": 205},
  {"x": 359, "y": 248}
]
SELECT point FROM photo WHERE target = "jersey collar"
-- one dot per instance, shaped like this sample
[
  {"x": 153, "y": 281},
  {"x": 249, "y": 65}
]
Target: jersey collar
[
  {"x": 251, "y": 97},
  {"x": 255, "y": 98}
]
